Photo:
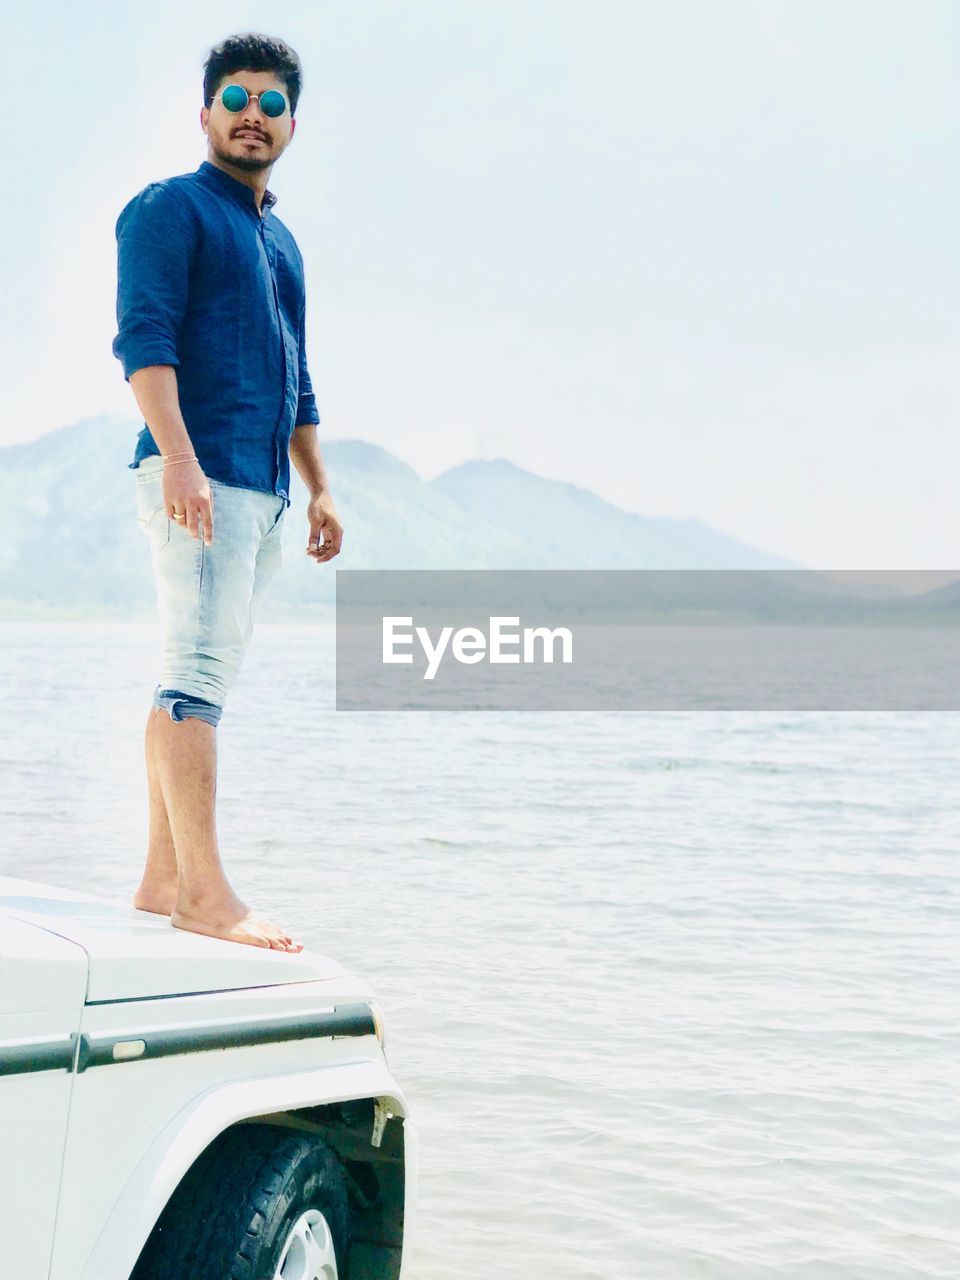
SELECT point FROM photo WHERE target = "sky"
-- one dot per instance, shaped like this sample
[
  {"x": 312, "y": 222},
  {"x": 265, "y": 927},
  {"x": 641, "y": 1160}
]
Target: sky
[{"x": 699, "y": 257}]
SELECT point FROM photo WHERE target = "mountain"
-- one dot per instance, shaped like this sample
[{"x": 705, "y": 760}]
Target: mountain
[
  {"x": 574, "y": 529},
  {"x": 70, "y": 544}
]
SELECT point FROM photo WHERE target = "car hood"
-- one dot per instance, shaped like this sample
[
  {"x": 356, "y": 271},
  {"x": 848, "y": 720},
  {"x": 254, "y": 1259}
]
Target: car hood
[{"x": 133, "y": 955}]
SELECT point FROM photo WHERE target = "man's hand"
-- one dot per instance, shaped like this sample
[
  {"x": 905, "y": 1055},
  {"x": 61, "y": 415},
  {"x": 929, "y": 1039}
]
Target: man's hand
[
  {"x": 326, "y": 531},
  {"x": 187, "y": 493}
]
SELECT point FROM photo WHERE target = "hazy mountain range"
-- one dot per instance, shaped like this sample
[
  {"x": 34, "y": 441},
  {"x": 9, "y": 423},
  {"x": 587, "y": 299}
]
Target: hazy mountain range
[
  {"x": 70, "y": 545},
  {"x": 69, "y": 540}
]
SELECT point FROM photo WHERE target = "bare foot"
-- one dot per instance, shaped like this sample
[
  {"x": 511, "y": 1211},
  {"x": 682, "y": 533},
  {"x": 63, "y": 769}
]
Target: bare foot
[
  {"x": 225, "y": 916},
  {"x": 158, "y": 898}
]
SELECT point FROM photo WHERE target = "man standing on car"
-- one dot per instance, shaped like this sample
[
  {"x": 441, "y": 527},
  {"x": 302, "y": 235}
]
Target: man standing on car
[{"x": 211, "y": 318}]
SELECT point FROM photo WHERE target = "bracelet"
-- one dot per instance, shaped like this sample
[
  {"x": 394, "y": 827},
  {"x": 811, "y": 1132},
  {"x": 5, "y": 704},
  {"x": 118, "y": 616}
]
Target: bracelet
[
  {"x": 177, "y": 453},
  {"x": 176, "y": 460}
]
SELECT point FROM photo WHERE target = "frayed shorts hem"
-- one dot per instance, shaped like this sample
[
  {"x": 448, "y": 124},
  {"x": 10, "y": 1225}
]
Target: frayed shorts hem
[{"x": 180, "y": 705}]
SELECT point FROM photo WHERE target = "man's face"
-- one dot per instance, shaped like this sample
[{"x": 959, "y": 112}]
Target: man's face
[{"x": 248, "y": 139}]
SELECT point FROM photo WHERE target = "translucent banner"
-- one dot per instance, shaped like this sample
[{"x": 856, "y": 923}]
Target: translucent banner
[{"x": 648, "y": 640}]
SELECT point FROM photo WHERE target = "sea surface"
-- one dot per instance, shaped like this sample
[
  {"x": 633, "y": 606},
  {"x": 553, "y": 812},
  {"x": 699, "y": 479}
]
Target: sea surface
[{"x": 672, "y": 995}]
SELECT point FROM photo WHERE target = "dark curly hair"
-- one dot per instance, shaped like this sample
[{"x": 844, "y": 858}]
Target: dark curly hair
[{"x": 253, "y": 51}]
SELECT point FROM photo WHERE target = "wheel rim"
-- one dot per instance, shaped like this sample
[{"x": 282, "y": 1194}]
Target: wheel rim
[{"x": 308, "y": 1252}]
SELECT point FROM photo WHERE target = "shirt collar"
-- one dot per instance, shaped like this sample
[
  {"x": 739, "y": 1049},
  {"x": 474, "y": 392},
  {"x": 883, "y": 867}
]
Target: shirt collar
[{"x": 234, "y": 187}]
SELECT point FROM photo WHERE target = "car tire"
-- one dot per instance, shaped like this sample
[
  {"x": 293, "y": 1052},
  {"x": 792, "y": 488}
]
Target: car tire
[{"x": 260, "y": 1203}]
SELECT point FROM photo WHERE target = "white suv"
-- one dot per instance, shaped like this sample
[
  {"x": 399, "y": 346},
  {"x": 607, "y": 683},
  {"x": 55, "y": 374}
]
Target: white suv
[{"x": 177, "y": 1107}]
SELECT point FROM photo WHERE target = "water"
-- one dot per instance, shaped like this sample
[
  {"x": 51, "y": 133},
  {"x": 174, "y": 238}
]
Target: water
[{"x": 672, "y": 995}]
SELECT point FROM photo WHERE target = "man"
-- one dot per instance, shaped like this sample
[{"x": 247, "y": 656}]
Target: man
[{"x": 211, "y": 319}]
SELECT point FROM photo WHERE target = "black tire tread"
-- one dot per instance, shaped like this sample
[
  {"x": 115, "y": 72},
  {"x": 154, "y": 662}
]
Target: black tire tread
[{"x": 212, "y": 1226}]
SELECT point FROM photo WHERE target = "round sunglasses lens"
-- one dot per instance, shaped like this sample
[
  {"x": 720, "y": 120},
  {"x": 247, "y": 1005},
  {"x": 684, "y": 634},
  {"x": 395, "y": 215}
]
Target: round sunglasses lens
[
  {"x": 273, "y": 103},
  {"x": 234, "y": 97}
]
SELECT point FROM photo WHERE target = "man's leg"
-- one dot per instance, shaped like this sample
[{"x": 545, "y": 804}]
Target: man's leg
[
  {"x": 193, "y": 890},
  {"x": 158, "y": 887},
  {"x": 201, "y": 592},
  {"x": 205, "y": 902}
]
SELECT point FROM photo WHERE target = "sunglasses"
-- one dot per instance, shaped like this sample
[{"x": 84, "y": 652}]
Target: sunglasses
[{"x": 235, "y": 97}]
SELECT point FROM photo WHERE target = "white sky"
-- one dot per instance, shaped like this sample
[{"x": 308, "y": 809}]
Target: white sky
[{"x": 700, "y": 257}]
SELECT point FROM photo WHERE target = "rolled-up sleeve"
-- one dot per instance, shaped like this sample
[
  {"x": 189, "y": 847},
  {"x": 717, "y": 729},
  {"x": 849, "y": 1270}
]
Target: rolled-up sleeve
[
  {"x": 307, "y": 411},
  {"x": 156, "y": 239}
]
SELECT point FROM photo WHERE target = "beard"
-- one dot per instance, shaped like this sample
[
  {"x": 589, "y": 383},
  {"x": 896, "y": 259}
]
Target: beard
[{"x": 249, "y": 163}]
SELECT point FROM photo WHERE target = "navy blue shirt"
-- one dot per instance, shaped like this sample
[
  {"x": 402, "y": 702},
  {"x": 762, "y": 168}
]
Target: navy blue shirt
[{"x": 206, "y": 284}]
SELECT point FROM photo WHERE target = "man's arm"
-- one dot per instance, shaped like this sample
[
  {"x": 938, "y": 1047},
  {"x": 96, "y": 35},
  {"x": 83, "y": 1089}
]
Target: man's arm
[
  {"x": 156, "y": 239},
  {"x": 307, "y": 411},
  {"x": 326, "y": 531},
  {"x": 155, "y": 390},
  {"x": 186, "y": 489}
]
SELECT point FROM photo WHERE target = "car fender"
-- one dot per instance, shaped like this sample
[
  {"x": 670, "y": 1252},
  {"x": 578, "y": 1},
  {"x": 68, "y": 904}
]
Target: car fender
[{"x": 194, "y": 1127}]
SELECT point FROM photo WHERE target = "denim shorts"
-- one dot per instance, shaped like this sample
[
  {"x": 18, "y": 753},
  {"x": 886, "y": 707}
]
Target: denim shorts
[{"x": 207, "y": 596}]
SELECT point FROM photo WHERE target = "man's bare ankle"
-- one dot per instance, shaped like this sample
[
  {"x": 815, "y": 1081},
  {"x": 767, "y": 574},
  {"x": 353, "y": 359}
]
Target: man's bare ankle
[{"x": 217, "y": 893}]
